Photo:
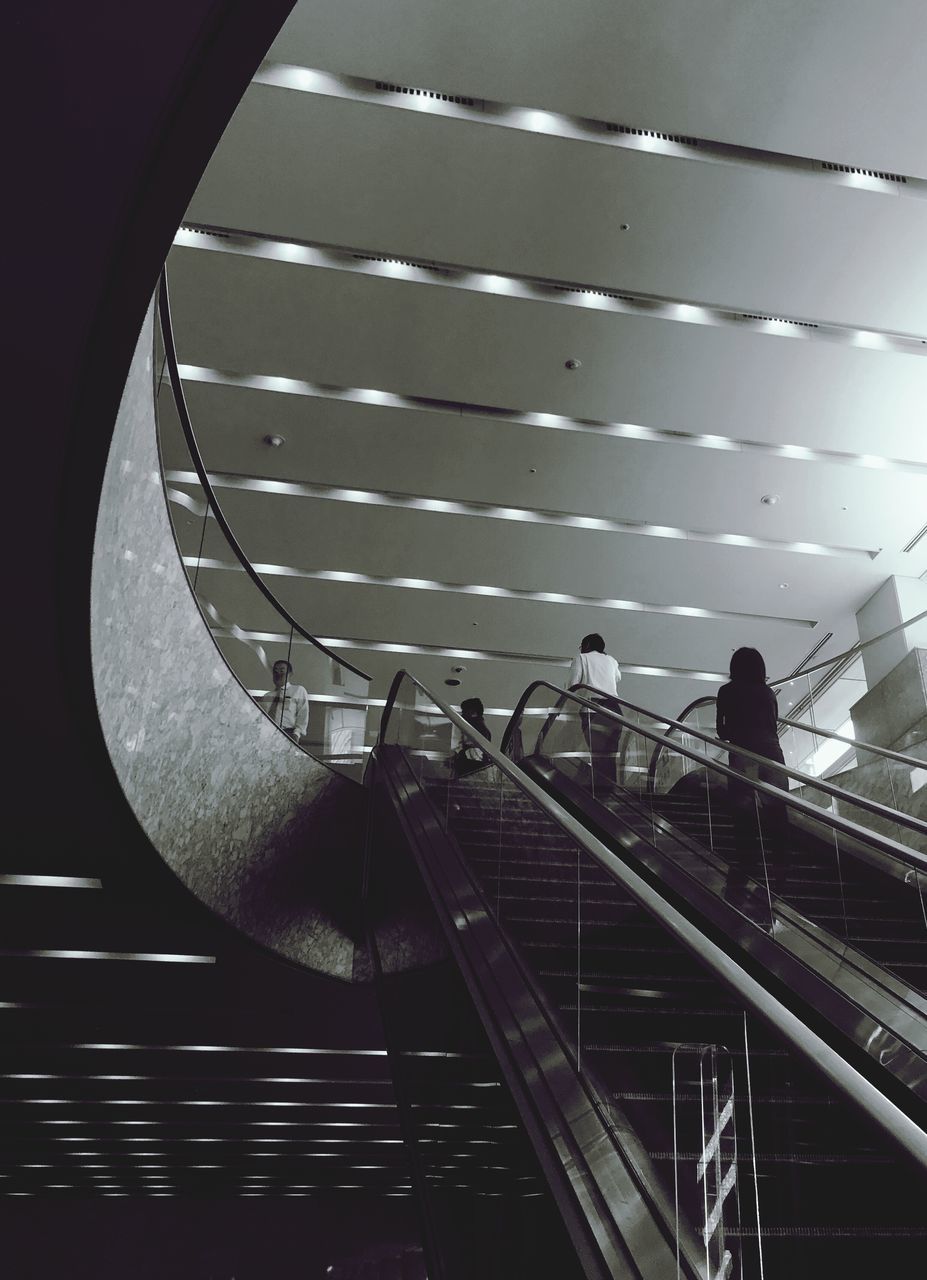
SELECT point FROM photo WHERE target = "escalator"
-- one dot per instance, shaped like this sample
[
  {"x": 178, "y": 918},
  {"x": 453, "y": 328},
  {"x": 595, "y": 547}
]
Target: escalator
[
  {"x": 809, "y": 856},
  {"x": 692, "y": 1116}
]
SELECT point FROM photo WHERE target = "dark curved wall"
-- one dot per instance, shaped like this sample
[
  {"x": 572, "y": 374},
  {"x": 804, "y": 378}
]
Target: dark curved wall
[
  {"x": 263, "y": 834},
  {"x": 118, "y": 107}
]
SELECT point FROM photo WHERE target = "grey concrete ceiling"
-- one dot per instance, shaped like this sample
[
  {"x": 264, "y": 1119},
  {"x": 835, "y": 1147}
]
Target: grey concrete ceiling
[{"x": 409, "y": 389}]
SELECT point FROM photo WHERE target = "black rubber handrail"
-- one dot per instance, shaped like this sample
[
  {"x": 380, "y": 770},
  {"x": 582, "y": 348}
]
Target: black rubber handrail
[
  {"x": 170, "y": 353},
  {"x": 812, "y": 1047},
  {"x": 899, "y": 756},
  {"x": 853, "y": 650},
  {"x": 600, "y": 707}
]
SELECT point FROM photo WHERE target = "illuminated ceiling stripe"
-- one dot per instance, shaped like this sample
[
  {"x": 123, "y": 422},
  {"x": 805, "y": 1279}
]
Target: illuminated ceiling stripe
[
  {"x": 502, "y": 593},
  {"x": 596, "y": 297},
  {"x": 161, "y": 957},
  {"x": 516, "y": 515},
  {"x": 548, "y": 421},
  {"x": 477, "y": 655},
  {"x": 51, "y": 882},
  {"x": 557, "y": 124}
]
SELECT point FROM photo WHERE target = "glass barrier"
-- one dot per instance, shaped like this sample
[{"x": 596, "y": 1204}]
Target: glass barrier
[
  {"x": 319, "y": 701},
  {"x": 547, "y": 892},
  {"x": 895, "y": 780},
  {"x": 736, "y": 1133},
  {"x": 757, "y": 850}
]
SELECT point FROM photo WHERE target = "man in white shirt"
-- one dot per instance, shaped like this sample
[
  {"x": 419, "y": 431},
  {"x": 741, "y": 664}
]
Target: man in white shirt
[
  {"x": 593, "y": 667},
  {"x": 288, "y": 703}
]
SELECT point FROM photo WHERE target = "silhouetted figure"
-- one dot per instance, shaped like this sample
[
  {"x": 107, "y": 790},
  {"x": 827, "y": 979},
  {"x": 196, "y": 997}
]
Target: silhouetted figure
[
  {"x": 469, "y": 755},
  {"x": 594, "y": 667},
  {"x": 288, "y": 703},
  {"x": 748, "y": 717}
]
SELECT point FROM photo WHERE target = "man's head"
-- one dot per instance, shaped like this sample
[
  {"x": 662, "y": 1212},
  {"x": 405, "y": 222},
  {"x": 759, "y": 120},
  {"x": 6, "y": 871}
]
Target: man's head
[
  {"x": 282, "y": 671},
  {"x": 472, "y": 709},
  {"x": 593, "y": 643}
]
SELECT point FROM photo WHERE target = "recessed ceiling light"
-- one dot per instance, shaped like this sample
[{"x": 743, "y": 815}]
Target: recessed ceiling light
[
  {"x": 275, "y": 441},
  {"x": 783, "y": 586},
  {"x": 572, "y": 363},
  {"x": 452, "y": 682},
  {"x": 770, "y": 499}
]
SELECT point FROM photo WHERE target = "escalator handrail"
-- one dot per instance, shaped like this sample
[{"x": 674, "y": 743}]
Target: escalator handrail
[
  {"x": 849, "y": 653},
  {"x": 818, "y": 732},
  {"x": 186, "y": 423},
  {"x": 899, "y": 756},
  {"x": 891, "y": 847},
  {"x": 884, "y": 1113}
]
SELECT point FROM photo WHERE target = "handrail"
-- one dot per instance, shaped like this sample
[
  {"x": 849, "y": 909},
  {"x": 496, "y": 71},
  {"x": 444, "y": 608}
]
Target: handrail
[
  {"x": 170, "y": 353},
  {"x": 880, "y": 1109},
  {"x": 849, "y": 653},
  {"x": 858, "y": 743},
  {"x": 848, "y": 827}
]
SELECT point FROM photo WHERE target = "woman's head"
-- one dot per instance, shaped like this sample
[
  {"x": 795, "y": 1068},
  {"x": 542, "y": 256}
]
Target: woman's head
[
  {"x": 748, "y": 665},
  {"x": 592, "y": 643}
]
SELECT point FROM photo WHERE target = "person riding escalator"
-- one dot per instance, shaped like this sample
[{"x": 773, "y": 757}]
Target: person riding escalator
[{"x": 748, "y": 718}]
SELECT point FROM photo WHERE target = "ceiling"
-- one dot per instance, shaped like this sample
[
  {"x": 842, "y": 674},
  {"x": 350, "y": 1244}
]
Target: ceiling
[{"x": 402, "y": 279}]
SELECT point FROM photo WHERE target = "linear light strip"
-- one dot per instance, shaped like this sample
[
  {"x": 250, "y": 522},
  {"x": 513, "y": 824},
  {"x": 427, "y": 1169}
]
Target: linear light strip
[
  {"x": 596, "y": 297},
  {"x": 154, "y": 956},
  {"x": 486, "y": 111},
  {"x": 501, "y": 593},
  {"x": 230, "y": 1103},
  {"x": 51, "y": 882},
  {"x": 548, "y": 421},
  {"x": 425, "y": 650},
  {"x": 300, "y": 1080},
  {"x": 248, "y": 1048},
  {"x": 516, "y": 515}
]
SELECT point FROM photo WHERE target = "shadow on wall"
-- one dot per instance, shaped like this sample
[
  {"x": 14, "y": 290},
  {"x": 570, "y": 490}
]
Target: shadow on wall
[{"x": 260, "y": 832}]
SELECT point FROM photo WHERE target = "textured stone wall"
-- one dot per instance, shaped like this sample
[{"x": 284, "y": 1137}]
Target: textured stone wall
[{"x": 259, "y": 831}]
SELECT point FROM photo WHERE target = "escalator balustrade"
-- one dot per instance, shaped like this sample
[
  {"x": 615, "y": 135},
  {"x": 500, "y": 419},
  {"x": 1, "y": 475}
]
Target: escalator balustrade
[
  {"x": 767, "y": 1165},
  {"x": 811, "y": 848}
]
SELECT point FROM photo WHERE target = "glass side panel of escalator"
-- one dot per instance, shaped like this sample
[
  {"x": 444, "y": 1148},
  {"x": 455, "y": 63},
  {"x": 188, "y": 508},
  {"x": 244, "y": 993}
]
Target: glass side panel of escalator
[
  {"x": 758, "y": 851},
  {"x": 774, "y": 1174}
]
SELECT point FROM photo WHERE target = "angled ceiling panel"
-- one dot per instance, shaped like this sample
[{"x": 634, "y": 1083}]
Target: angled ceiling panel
[
  {"x": 840, "y": 79},
  {"x": 415, "y": 339},
  {"x": 446, "y": 455},
  {"x": 399, "y": 182}
]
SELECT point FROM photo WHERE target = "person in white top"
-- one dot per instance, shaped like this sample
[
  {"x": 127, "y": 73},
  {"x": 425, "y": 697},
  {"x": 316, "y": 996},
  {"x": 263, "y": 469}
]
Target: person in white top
[
  {"x": 597, "y": 669},
  {"x": 288, "y": 704}
]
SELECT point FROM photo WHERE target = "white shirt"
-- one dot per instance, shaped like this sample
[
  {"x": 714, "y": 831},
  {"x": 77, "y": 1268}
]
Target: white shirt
[
  {"x": 600, "y": 670},
  {"x": 289, "y": 710}
]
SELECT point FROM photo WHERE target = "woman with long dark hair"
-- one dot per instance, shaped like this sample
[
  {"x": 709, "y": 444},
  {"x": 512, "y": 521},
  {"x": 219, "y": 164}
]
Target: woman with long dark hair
[{"x": 748, "y": 716}]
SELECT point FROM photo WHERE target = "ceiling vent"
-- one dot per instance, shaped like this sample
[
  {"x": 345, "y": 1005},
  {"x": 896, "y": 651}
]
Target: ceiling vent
[
  {"x": 798, "y": 324},
  {"x": 862, "y": 173},
  {"x": 384, "y": 87},
  {"x": 598, "y": 293},
  {"x": 650, "y": 133},
  {"x": 400, "y": 262},
  {"x": 205, "y": 231}
]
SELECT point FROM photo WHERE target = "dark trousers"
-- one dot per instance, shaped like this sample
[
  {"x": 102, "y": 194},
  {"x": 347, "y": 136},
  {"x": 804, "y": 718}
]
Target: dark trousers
[
  {"x": 603, "y": 737},
  {"x": 760, "y": 822}
]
